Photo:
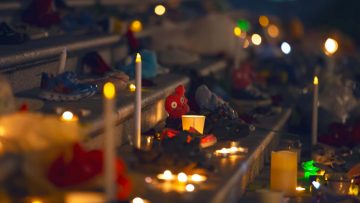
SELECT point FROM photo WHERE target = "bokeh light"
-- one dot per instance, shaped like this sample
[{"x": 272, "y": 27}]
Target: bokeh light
[
  {"x": 159, "y": 10},
  {"x": 136, "y": 26},
  {"x": 331, "y": 46},
  {"x": 256, "y": 39},
  {"x": 264, "y": 21},
  {"x": 237, "y": 31},
  {"x": 285, "y": 48},
  {"x": 273, "y": 31}
]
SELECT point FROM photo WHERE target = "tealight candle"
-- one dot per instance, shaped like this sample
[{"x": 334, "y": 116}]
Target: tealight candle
[
  {"x": 283, "y": 175},
  {"x": 182, "y": 177},
  {"x": 197, "y": 178},
  {"x": 109, "y": 141},
  {"x": 167, "y": 175}
]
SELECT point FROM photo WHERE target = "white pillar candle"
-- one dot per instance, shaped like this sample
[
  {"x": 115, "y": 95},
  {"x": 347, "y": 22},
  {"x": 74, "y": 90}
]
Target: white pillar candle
[
  {"x": 137, "y": 117},
  {"x": 109, "y": 141},
  {"x": 62, "y": 61},
  {"x": 315, "y": 112}
]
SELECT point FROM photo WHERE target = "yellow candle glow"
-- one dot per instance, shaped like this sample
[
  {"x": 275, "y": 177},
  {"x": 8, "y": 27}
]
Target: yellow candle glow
[
  {"x": 160, "y": 10},
  {"x": 197, "y": 178},
  {"x": 132, "y": 88},
  {"x": 68, "y": 116},
  {"x": 283, "y": 175},
  {"x": 331, "y": 46},
  {"x": 237, "y": 31},
  {"x": 195, "y": 121},
  {"x": 84, "y": 197},
  {"x": 136, "y": 26},
  {"x": 189, "y": 187},
  {"x": 182, "y": 177},
  {"x": 300, "y": 189},
  {"x": 167, "y": 175}
]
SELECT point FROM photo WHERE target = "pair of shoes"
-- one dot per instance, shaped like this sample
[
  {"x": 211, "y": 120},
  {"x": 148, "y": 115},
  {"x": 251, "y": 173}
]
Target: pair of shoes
[
  {"x": 65, "y": 87},
  {"x": 9, "y": 36},
  {"x": 41, "y": 13}
]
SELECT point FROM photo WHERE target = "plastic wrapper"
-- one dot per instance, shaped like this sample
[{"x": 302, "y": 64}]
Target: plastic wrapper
[{"x": 337, "y": 97}]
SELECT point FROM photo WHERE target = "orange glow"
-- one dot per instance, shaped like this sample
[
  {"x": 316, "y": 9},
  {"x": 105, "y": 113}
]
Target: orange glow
[
  {"x": 264, "y": 21},
  {"x": 136, "y": 26},
  {"x": 273, "y": 31}
]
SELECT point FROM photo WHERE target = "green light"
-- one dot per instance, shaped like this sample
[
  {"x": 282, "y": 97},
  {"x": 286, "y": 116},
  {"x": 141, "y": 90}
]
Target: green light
[
  {"x": 243, "y": 25},
  {"x": 309, "y": 169}
]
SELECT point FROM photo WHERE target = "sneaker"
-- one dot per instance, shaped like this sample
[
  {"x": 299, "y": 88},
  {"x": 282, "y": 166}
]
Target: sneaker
[
  {"x": 65, "y": 87},
  {"x": 9, "y": 36}
]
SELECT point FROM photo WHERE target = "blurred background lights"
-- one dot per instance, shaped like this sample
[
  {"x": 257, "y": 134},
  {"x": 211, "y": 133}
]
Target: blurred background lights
[
  {"x": 136, "y": 26},
  {"x": 189, "y": 187},
  {"x": 244, "y": 25},
  {"x": 256, "y": 39},
  {"x": 285, "y": 48},
  {"x": 264, "y": 21},
  {"x": 160, "y": 10},
  {"x": 273, "y": 31},
  {"x": 237, "y": 31},
  {"x": 331, "y": 46},
  {"x": 137, "y": 200}
]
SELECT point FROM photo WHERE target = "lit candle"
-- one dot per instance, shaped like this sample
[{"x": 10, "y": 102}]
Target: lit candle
[
  {"x": 283, "y": 175},
  {"x": 109, "y": 148},
  {"x": 167, "y": 175},
  {"x": 84, "y": 197},
  {"x": 330, "y": 48},
  {"x": 315, "y": 112},
  {"x": 237, "y": 33},
  {"x": 193, "y": 121},
  {"x": 137, "y": 140},
  {"x": 68, "y": 116},
  {"x": 62, "y": 61}
]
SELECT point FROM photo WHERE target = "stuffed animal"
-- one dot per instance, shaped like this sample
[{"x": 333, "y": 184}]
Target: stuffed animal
[{"x": 176, "y": 103}]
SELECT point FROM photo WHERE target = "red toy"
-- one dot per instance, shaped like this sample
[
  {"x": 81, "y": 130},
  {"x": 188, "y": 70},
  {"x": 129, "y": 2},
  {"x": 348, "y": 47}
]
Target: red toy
[
  {"x": 82, "y": 167},
  {"x": 176, "y": 103}
]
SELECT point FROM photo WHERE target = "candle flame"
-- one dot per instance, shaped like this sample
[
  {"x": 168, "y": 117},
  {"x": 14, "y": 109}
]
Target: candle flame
[
  {"x": 132, "y": 88},
  {"x": 299, "y": 188},
  {"x": 138, "y": 58},
  {"x": 68, "y": 116},
  {"x": 182, "y": 177},
  {"x": 316, "y": 80},
  {"x": 109, "y": 90},
  {"x": 331, "y": 46}
]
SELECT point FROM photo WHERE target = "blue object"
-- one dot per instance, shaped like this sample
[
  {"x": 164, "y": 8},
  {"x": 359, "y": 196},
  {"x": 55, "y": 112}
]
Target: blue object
[
  {"x": 64, "y": 87},
  {"x": 149, "y": 65}
]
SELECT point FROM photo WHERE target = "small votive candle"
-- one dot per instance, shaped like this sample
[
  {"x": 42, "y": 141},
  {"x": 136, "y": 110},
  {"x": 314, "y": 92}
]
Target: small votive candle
[{"x": 193, "y": 121}]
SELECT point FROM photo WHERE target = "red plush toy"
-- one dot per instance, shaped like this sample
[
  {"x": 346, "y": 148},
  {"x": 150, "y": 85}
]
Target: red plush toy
[
  {"x": 83, "y": 167},
  {"x": 176, "y": 103}
]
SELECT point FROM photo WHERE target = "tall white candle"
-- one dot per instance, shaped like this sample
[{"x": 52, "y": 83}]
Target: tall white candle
[
  {"x": 315, "y": 112},
  {"x": 109, "y": 141},
  {"x": 137, "y": 117},
  {"x": 62, "y": 61}
]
